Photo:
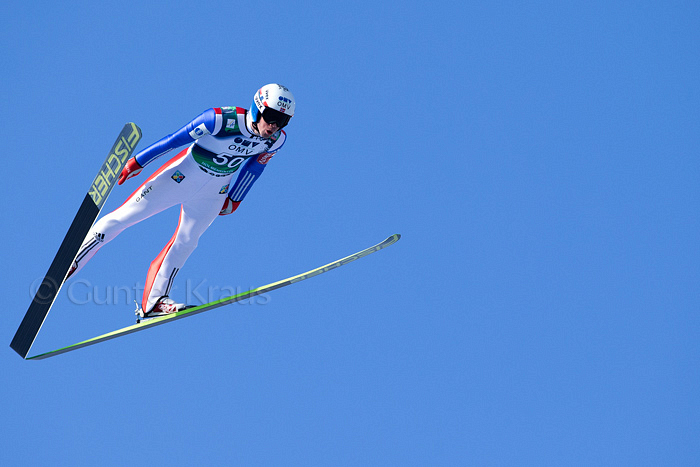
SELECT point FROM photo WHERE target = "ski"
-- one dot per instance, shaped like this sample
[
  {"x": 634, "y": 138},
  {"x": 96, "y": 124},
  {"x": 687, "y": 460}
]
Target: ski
[
  {"x": 87, "y": 213},
  {"x": 152, "y": 322}
]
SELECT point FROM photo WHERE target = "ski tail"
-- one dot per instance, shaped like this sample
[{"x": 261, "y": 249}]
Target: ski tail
[{"x": 87, "y": 213}]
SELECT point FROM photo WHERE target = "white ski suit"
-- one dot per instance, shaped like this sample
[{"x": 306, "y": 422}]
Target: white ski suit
[{"x": 199, "y": 178}]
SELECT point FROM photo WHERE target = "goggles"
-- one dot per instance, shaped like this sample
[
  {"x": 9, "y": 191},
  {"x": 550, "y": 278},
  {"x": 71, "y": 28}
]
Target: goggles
[{"x": 272, "y": 116}]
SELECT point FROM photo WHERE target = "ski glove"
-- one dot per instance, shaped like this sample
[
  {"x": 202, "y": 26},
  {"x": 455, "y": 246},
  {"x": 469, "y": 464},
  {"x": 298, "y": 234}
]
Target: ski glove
[
  {"x": 229, "y": 206},
  {"x": 131, "y": 169}
]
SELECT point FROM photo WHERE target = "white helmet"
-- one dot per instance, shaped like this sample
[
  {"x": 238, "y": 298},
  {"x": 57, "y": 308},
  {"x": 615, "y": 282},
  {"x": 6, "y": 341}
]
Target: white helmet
[{"x": 275, "y": 103}]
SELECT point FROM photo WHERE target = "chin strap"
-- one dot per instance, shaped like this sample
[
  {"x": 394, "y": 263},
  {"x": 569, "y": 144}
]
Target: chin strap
[{"x": 252, "y": 126}]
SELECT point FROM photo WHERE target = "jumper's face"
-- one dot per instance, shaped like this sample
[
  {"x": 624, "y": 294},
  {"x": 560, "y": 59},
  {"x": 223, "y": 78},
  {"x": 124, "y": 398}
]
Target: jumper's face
[{"x": 267, "y": 129}]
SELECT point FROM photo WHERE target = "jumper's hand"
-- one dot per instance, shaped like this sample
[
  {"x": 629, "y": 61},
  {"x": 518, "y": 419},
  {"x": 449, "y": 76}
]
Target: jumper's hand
[
  {"x": 229, "y": 206},
  {"x": 131, "y": 169}
]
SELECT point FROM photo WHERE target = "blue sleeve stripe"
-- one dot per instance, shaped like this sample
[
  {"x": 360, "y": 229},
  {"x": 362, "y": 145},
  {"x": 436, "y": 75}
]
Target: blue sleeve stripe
[
  {"x": 242, "y": 187},
  {"x": 250, "y": 172}
]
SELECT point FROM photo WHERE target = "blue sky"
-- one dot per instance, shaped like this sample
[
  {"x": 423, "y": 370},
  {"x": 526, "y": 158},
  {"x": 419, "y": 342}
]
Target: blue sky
[{"x": 539, "y": 159}]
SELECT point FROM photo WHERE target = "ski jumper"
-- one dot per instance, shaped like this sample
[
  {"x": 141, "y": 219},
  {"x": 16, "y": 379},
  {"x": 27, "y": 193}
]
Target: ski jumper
[{"x": 199, "y": 178}]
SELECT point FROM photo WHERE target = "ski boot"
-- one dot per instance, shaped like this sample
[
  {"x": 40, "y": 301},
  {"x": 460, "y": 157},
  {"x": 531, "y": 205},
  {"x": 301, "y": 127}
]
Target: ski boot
[{"x": 164, "y": 306}]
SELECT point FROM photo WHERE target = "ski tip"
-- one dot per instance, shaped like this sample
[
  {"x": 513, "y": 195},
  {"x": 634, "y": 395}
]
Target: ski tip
[
  {"x": 394, "y": 238},
  {"x": 390, "y": 240}
]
